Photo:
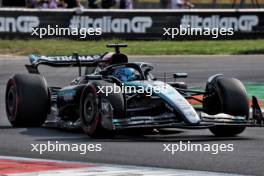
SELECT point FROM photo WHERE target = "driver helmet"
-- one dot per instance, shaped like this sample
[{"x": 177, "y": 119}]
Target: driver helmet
[{"x": 125, "y": 74}]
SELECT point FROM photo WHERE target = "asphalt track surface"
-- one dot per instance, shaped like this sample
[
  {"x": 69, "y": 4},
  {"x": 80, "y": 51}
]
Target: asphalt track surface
[{"x": 247, "y": 157}]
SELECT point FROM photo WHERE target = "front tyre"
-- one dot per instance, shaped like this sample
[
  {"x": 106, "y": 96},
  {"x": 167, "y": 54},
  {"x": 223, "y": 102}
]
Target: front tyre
[
  {"x": 91, "y": 109},
  {"x": 90, "y": 115},
  {"x": 226, "y": 131},
  {"x": 226, "y": 95},
  {"x": 27, "y": 100}
]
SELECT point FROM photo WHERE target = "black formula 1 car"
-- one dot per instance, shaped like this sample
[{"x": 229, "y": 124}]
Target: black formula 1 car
[{"x": 144, "y": 102}]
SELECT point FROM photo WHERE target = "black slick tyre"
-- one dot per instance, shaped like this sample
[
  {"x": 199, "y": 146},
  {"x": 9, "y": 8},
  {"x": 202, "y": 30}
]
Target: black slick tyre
[
  {"x": 226, "y": 95},
  {"x": 27, "y": 100}
]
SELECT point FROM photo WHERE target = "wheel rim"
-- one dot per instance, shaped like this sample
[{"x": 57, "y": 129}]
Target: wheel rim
[
  {"x": 11, "y": 101},
  {"x": 89, "y": 109}
]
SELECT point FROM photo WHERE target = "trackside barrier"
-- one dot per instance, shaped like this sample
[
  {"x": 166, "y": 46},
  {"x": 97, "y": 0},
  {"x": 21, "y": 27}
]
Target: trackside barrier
[{"x": 132, "y": 24}]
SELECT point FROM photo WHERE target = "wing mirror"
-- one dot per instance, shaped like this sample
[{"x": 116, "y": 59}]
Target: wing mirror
[{"x": 180, "y": 75}]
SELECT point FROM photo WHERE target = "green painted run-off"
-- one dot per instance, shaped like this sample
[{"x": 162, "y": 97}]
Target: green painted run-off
[{"x": 256, "y": 89}]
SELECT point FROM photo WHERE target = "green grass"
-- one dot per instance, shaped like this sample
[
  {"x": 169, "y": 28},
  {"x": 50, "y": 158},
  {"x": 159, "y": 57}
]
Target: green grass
[{"x": 67, "y": 47}]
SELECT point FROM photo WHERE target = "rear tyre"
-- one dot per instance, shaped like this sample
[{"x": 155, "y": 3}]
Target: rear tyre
[
  {"x": 91, "y": 116},
  {"x": 27, "y": 100},
  {"x": 226, "y": 95}
]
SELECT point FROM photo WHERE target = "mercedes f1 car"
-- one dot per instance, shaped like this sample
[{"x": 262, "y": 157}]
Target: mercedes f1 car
[{"x": 87, "y": 102}]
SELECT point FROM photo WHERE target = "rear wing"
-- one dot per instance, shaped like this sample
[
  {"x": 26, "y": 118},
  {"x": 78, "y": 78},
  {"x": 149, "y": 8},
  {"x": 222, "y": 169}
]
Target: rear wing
[{"x": 75, "y": 60}]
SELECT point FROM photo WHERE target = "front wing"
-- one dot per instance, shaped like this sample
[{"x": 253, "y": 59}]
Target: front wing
[{"x": 207, "y": 121}]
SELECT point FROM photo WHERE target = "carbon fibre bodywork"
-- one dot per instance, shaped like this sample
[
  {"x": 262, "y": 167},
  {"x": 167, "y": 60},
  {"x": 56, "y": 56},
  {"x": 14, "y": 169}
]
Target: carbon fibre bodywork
[{"x": 167, "y": 108}]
